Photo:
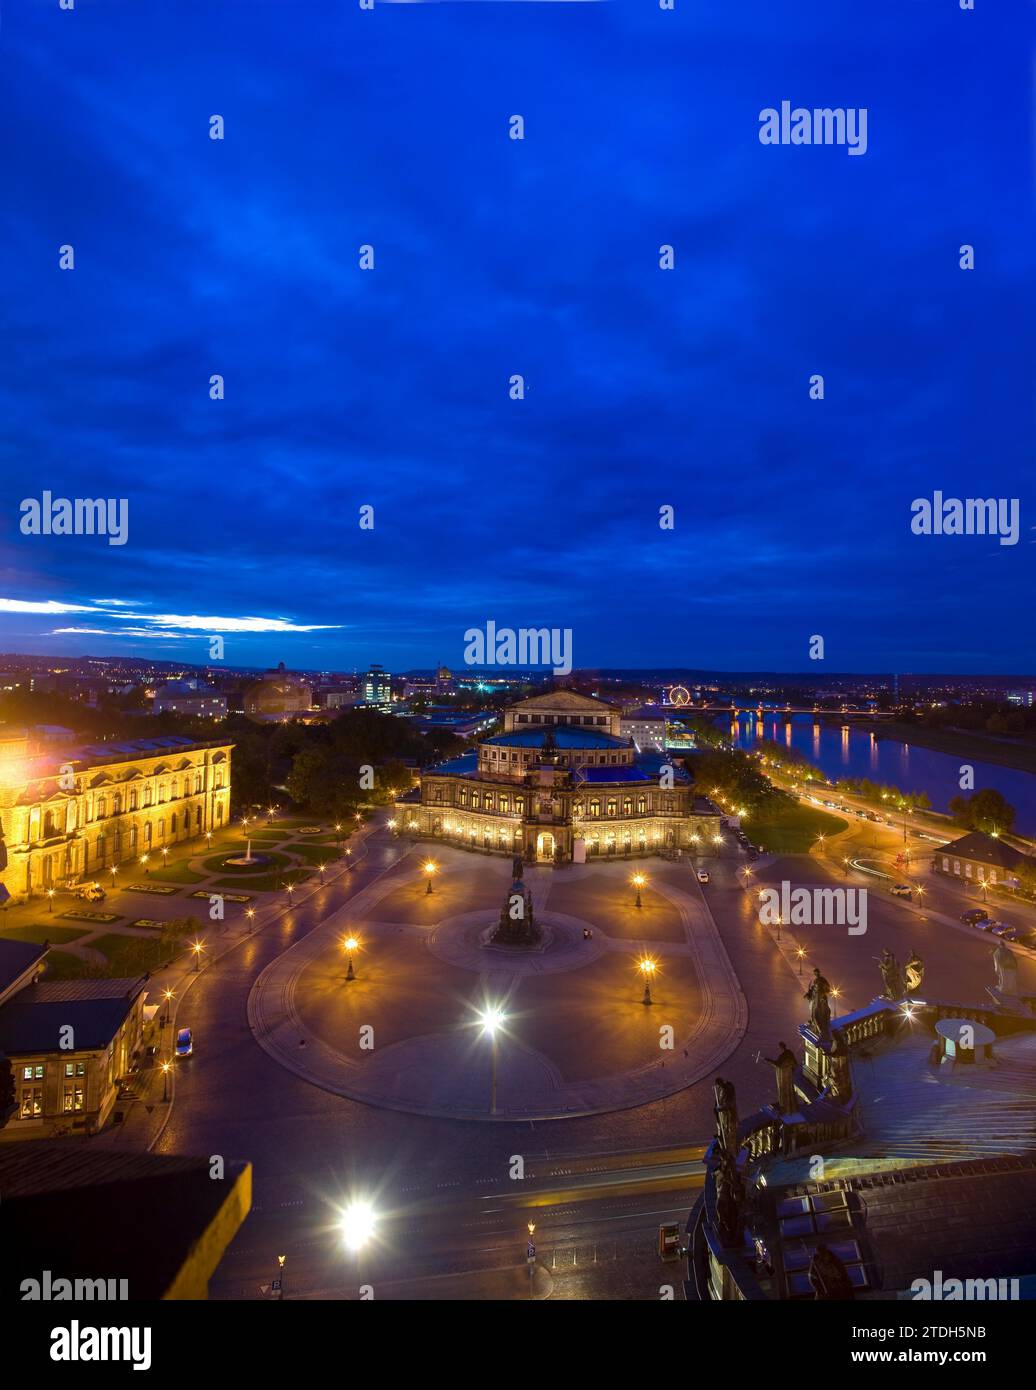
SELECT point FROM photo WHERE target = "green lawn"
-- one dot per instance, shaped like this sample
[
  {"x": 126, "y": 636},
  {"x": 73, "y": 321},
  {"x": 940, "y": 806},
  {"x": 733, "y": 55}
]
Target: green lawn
[
  {"x": 125, "y": 956},
  {"x": 788, "y": 828},
  {"x": 40, "y": 934},
  {"x": 172, "y": 873},
  {"x": 265, "y": 883},
  {"x": 313, "y": 854}
]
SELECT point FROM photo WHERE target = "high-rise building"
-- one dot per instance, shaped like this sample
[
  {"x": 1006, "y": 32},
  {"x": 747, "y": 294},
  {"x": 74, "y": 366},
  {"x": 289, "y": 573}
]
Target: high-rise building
[{"x": 377, "y": 687}]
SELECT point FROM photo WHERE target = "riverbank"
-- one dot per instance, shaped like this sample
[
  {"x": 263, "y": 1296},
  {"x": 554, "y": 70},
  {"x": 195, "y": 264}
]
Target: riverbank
[{"x": 962, "y": 743}]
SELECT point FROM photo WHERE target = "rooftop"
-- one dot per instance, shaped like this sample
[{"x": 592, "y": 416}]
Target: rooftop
[
  {"x": 986, "y": 849},
  {"x": 565, "y": 736}
]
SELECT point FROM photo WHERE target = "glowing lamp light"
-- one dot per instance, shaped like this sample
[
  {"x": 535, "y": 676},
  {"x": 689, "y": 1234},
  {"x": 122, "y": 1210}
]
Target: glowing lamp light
[
  {"x": 492, "y": 1019},
  {"x": 357, "y": 1224}
]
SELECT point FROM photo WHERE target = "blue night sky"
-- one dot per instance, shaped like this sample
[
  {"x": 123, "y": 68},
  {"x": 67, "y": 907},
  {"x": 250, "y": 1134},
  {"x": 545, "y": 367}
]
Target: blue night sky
[{"x": 540, "y": 257}]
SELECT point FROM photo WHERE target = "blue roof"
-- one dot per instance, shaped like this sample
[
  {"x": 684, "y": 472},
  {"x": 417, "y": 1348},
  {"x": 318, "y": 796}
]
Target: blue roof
[
  {"x": 459, "y": 767},
  {"x": 630, "y": 773},
  {"x": 564, "y": 735}
]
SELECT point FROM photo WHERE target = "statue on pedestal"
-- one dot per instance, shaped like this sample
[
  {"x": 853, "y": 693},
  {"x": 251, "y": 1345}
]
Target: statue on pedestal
[
  {"x": 517, "y": 922},
  {"x": 725, "y": 1111},
  {"x": 828, "y": 1277},
  {"x": 784, "y": 1065},
  {"x": 913, "y": 973},
  {"x": 730, "y": 1197},
  {"x": 819, "y": 1004},
  {"x": 891, "y": 975},
  {"x": 840, "y": 1083},
  {"x": 517, "y": 868},
  {"x": 1006, "y": 970}
]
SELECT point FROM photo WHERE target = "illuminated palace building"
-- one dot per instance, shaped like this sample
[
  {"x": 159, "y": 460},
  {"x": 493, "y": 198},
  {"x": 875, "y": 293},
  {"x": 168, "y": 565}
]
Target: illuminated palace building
[
  {"x": 559, "y": 784},
  {"x": 70, "y": 811}
]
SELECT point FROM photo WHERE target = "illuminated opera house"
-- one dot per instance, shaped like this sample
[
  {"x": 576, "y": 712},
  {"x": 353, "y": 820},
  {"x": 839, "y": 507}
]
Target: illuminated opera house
[{"x": 559, "y": 784}]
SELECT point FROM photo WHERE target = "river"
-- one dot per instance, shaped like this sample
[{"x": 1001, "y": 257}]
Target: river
[{"x": 855, "y": 751}]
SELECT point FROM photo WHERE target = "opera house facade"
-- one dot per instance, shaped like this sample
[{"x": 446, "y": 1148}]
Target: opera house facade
[{"x": 558, "y": 785}]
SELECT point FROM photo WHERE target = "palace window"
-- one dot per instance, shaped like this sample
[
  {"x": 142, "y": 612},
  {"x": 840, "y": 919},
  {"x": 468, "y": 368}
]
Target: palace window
[
  {"x": 577, "y": 808},
  {"x": 149, "y": 795},
  {"x": 489, "y": 801},
  {"x": 595, "y": 806},
  {"x": 505, "y": 804},
  {"x": 437, "y": 794},
  {"x": 462, "y": 796},
  {"x": 32, "y": 1102},
  {"x": 641, "y": 805},
  {"x": 133, "y": 801},
  {"x": 627, "y": 806},
  {"x": 611, "y": 806},
  {"x": 34, "y": 1073},
  {"x": 73, "y": 1099},
  {"x": 74, "y": 1069},
  {"x": 117, "y": 804},
  {"x": 519, "y": 803},
  {"x": 476, "y": 801}
]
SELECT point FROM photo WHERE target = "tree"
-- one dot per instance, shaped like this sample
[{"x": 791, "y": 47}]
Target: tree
[{"x": 985, "y": 810}]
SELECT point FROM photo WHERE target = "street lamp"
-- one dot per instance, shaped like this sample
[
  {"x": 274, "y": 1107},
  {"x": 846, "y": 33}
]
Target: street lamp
[
  {"x": 250, "y": 914},
  {"x": 647, "y": 968},
  {"x": 799, "y": 956},
  {"x": 349, "y": 945},
  {"x": 280, "y": 1275},
  {"x": 166, "y": 1069},
  {"x": 50, "y": 899},
  {"x": 357, "y": 1224},
  {"x": 169, "y": 996},
  {"x": 392, "y": 825},
  {"x": 197, "y": 948},
  {"x": 492, "y": 1020},
  {"x": 114, "y": 871},
  {"x": 165, "y": 855},
  {"x": 430, "y": 869},
  {"x": 638, "y": 882},
  {"x": 143, "y": 860}
]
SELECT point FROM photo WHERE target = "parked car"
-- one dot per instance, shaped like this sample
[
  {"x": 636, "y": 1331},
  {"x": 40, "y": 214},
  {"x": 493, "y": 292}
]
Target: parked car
[
  {"x": 184, "y": 1043},
  {"x": 989, "y": 924},
  {"x": 703, "y": 875},
  {"x": 902, "y": 890},
  {"x": 92, "y": 892},
  {"x": 974, "y": 915},
  {"x": 1010, "y": 933},
  {"x": 1002, "y": 929}
]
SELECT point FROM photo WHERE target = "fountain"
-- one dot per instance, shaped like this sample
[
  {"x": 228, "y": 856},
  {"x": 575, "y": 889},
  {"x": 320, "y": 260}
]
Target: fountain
[{"x": 247, "y": 860}]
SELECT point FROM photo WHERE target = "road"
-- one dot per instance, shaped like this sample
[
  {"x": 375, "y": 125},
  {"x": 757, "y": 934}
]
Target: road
[{"x": 453, "y": 1220}]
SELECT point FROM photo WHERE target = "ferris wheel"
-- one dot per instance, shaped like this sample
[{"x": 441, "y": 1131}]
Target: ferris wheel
[{"x": 679, "y": 695}]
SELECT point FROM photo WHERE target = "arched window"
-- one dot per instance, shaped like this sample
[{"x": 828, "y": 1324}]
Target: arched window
[
  {"x": 611, "y": 806},
  {"x": 149, "y": 795},
  {"x": 102, "y": 807},
  {"x": 172, "y": 825},
  {"x": 117, "y": 804},
  {"x": 147, "y": 835},
  {"x": 577, "y": 808},
  {"x": 133, "y": 801},
  {"x": 462, "y": 796},
  {"x": 641, "y": 805},
  {"x": 627, "y": 806},
  {"x": 505, "y": 804},
  {"x": 595, "y": 806},
  {"x": 489, "y": 801},
  {"x": 519, "y": 804}
]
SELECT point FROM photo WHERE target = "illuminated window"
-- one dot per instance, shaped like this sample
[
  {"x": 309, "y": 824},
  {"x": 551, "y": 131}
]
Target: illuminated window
[
  {"x": 641, "y": 805},
  {"x": 74, "y": 1068},
  {"x": 595, "y": 807}
]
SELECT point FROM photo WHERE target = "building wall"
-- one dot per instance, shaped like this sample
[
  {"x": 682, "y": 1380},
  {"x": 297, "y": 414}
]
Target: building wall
[
  {"x": 72, "y": 1090},
  {"x": 637, "y": 819},
  {"x": 113, "y": 812}
]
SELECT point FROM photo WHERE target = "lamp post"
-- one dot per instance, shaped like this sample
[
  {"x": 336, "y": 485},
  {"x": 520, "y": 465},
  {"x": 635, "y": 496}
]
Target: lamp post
[
  {"x": 647, "y": 968},
  {"x": 281, "y": 1260},
  {"x": 168, "y": 996},
  {"x": 50, "y": 899},
  {"x": 492, "y": 1020},
  {"x": 289, "y": 888},
  {"x": 197, "y": 948},
  {"x": 638, "y": 882},
  {"x": 799, "y": 956},
  {"x": 349, "y": 945},
  {"x": 166, "y": 1069},
  {"x": 250, "y": 914},
  {"x": 143, "y": 860},
  {"x": 165, "y": 856},
  {"x": 113, "y": 876},
  {"x": 430, "y": 869}
]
